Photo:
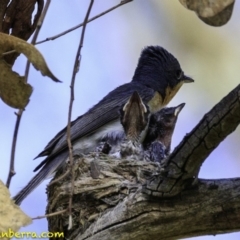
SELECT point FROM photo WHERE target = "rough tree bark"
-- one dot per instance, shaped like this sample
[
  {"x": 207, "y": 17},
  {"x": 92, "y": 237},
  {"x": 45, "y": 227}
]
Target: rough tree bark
[{"x": 129, "y": 199}]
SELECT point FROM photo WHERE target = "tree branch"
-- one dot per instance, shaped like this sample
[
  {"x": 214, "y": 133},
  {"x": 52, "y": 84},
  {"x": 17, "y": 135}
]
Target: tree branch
[
  {"x": 185, "y": 161},
  {"x": 113, "y": 205},
  {"x": 113, "y": 202},
  {"x": 212, "y": 208}
]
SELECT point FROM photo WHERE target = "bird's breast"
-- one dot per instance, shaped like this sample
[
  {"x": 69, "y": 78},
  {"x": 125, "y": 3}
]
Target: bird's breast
[
  {"x": 170, "y": 93},
  {"x": 156, "y": 103}
]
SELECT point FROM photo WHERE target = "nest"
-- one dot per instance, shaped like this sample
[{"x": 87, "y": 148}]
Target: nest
[{"x": 100, "y": 183}]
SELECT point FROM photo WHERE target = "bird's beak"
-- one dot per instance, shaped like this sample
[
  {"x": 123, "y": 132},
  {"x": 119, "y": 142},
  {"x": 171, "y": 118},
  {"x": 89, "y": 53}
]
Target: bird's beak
[
  {"x": 187, "y": 79},
  {"x": 178, "y": 109}
]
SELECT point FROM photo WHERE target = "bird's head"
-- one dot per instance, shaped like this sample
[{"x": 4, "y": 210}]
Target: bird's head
[
  {"x": 161, "y": 71},
  {"x": 134, "y": 117},
  {"x": 162, "y": 125},
  {"x": 165, "y": 120}
]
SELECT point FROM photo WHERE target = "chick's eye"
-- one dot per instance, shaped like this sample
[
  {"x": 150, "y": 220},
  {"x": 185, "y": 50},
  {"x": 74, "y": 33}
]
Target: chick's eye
[{"x": 179, "y": 74}]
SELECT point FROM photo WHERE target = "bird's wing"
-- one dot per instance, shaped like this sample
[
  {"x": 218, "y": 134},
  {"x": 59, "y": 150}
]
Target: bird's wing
[
  {"x": 48, "y": 149},
  {"x": 99, "y": 115}
]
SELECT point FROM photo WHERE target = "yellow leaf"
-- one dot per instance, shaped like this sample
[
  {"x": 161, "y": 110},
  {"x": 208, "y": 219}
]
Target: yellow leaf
[
  {"x": 12, "y": 216},
  {"x": 14, "y": 91}
]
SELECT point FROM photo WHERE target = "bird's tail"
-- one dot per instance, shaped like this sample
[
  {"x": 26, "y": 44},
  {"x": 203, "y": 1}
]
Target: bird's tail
[{"x": 47, "y": 171}]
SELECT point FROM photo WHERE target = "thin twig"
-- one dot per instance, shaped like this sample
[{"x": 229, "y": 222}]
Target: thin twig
[
  {"x": 9, "y": 52},
  {"x": 38, "y": 28},
  {"x": 50, "y": 214},
  {"x": 75, "y": 70},
  {"x": 76, "y": 27},
  {"x": 81, "y": 24},
  {"x": 20, "y": 112},
  {"x": 12, "y": 172}
]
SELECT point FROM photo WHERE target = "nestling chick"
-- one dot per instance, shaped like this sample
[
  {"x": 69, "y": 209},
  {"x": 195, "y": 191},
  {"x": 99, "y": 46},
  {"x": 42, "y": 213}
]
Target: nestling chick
[
  {"x": 157, "y": 143},
  {"x": 134, "y": 117}
]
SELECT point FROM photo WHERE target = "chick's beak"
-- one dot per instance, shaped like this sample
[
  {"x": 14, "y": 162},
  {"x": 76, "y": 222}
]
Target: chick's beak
[
  {"x": 187, "y": 79},
  {"x": 178, "y": 109}
]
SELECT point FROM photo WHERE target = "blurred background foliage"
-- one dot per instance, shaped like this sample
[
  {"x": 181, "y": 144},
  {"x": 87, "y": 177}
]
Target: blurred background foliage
[{"x": 112, "y": 46}]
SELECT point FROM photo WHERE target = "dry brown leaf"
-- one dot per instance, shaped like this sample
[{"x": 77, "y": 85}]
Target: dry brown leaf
[
  {"x": 12, "y": 217},
  {"x": 14, "y": 91},
  {"x": 221, "y": 18},
  {"x": 212, "y": 12},
  {"x": 8, "y": 42}
]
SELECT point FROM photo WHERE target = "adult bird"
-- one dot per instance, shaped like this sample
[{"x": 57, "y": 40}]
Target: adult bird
[{"x": 157, "y": 78}]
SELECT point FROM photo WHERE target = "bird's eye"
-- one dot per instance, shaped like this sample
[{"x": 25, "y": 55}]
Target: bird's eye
[{"x": 179, "y": 74}]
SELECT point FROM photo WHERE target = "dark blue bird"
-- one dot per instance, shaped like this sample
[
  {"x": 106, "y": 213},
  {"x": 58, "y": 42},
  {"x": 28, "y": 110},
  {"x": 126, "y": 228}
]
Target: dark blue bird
[{"x": 157, "y": 79}]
